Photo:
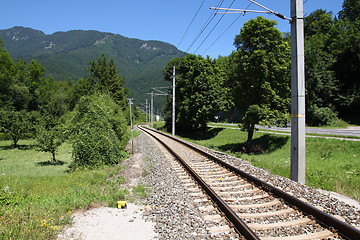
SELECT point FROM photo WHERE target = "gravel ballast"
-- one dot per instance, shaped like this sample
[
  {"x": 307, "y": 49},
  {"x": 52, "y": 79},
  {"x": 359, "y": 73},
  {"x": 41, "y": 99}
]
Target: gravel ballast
[{"x": 171, "y": 212}]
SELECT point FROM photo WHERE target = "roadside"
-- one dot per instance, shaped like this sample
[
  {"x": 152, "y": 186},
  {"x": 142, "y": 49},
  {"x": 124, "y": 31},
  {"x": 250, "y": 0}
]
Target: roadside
[{"x": 349, "y": 133}]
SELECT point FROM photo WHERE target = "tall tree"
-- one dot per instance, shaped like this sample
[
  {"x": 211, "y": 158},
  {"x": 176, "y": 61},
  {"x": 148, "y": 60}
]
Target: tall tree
[
  {"x": 261, "y": 78},
  {"x": 6, "y": 72},
  {"x": 35, "y": 78},
  {"x": 104, "y": 76},
  {"x": 321, "y": 83},
  {"x": 200, "y": 92},
  {"x": 347, "y": 66},
  {"x": 350, "y": 11}
]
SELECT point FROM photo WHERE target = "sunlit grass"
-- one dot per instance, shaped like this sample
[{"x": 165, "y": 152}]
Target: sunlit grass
[{"x": 37, "y": 198}]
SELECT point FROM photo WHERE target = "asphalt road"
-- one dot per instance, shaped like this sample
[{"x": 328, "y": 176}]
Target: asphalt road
[{"x": 350, "y": 131}]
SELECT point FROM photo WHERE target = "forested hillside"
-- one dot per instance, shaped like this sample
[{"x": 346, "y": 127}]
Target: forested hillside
[{"x": 66, "y": 55}]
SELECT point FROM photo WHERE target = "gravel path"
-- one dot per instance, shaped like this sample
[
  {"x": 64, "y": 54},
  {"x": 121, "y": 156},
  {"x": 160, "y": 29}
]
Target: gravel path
[
  {"x": 110, "y": 223},
  {"x": 169, "y": 212}
]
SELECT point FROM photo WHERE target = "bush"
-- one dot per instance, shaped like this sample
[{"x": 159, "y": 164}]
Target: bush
[
  {"x": 98, "y": 132},
  {"x": 323, "y": 116}
]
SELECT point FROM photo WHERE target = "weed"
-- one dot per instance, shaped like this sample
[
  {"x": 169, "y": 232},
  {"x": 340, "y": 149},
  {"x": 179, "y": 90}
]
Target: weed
[{"x": 140, "y": 191}]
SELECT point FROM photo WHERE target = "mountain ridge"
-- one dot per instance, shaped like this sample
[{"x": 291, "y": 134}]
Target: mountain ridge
[{"x": 66, "y": 55}]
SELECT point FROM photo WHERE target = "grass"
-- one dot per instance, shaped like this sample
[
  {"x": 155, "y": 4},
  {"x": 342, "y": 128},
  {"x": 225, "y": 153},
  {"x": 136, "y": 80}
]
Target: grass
[
  {"x": 331, "y": 164},
  {"x": 140, "y": 190},
  {"x": 37, "y": 198}
]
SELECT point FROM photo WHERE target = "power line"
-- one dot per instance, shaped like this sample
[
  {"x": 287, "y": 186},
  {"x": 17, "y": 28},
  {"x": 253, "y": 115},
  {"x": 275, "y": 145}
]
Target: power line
[
  {"x": 190, "y": 24},
  {"x": 213, "y": 28},
  {"x": 221, "y": 35},
  {"x": 203, "y": 29},
  {"x": 225, "y": 31}
]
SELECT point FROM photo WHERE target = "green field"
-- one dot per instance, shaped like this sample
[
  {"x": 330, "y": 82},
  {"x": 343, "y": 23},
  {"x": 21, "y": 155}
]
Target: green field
[
  {"x": 331, "y": 164},
  {"x": 37, "y": 198}
]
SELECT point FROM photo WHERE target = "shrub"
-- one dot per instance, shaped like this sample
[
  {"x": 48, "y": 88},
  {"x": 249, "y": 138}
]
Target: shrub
[
  {"x": 98, "y": 132},
  {"x": 321, "y": 116}
]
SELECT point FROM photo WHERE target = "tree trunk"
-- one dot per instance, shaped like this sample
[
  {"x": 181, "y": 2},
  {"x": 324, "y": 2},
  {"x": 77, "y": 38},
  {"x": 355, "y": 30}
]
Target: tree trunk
[
  {"x": 15, "y": 140},
  {"x": 53, "y": 157},
  {"x": 250, "y": 135}
]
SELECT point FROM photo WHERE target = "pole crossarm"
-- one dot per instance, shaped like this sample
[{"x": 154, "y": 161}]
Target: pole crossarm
[
  {"x": 271, "y": 11},
  {"x": 243, "y": 11},
  {"x": 159, "y": 92}
]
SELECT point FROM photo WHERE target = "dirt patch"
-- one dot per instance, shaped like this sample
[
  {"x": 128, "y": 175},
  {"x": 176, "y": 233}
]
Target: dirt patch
[{"x": 133, "y": 169}]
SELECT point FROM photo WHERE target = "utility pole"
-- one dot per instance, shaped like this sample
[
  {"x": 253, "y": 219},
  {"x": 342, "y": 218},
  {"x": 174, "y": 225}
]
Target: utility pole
[
  {"x": 297, "y": 172},
  {"x": 173, "y": 103},
  {"x": 131, "y": 126},
  {"x": 152, "y": 109},
  {"x": 157, "y": 93},
  {"x": 146, "y": 111},
  {"x": 297, "y": 169}
]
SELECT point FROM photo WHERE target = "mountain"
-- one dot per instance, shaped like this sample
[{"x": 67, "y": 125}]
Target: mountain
[{"x": 66, "y": 55}]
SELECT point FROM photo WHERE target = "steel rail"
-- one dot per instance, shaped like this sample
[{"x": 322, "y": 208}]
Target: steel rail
[
  {"x": 343, "y": 229},
  {"x": 239, "y": 225}
]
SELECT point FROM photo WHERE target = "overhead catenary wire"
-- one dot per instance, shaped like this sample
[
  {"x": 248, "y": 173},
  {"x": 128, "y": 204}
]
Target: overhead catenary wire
[
  {"x": 211, "y": 17},
  {"x": 225, "y": 31},
  {"x": 212, "y": 28},
  {"x": 190, "y": 24}
]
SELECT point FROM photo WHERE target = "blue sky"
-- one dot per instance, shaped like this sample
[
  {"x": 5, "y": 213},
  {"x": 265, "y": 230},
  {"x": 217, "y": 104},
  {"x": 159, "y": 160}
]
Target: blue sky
[{"x": 163, "y": 20}]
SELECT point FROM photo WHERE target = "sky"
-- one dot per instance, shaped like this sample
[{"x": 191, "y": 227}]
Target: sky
[{"x": 163, "y": 20}]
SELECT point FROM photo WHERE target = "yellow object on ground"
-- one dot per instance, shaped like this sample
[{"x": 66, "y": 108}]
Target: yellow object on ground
[{"x": 121, "y": 204}]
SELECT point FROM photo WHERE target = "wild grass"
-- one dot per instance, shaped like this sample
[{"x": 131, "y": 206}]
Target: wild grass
[
  {"x": 37, "y": 198},
  {"x": 331, "y": 164},
  {"x": 140, "y": 190}
]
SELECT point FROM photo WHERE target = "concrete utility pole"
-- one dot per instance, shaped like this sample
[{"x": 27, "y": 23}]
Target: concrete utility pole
[
  {"x": 146, "y": 111},
  {"x": 173, "y": 103},
  {"x": 152, "y": 109},
  {"x": 131, "y": 126},
  {"x": 157, "y": 93},
  {"x": 297, "y": 172}
]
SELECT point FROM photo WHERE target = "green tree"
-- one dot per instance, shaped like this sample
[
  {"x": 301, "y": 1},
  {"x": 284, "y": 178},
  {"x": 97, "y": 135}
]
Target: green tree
[
  {"x": 200, "y": 92},
  {"x": 351, "y": 10},
  {"x": 54, "y": 97},
  {"x": 17, "y": 123},
  {"x": 98, "y": 132},
  {"x": 53, "y": 102},
  {"x": 7, "y": 68},
  {"x": 261, "y": 77},
  {"x": 346, "y": 46},
  {"x": 105, "y": 77},
  {"x": 50, "y": 135},
  {"x": 321, "y": 83},
  {"x": 35, "y": 78}
]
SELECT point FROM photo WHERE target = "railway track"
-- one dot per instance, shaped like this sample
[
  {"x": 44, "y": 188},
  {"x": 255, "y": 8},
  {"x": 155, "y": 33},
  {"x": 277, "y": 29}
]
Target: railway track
[{"x": 255, "y": 209}]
